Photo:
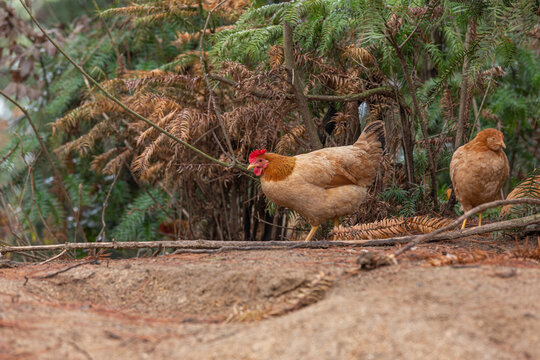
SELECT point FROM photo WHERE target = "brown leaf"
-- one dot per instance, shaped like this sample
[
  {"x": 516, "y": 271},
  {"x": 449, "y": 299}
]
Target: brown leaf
[
  {"x": 50, "y": 48},
  {"x": 26, "y": 68}
]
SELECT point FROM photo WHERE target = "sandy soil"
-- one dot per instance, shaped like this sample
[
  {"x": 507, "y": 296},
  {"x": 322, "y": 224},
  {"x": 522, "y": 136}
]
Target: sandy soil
[{"x": 442, "y": 301}]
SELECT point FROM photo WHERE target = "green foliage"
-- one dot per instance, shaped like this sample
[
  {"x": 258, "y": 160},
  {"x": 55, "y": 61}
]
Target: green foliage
[
  {"x": 46, "y": 202},
  {"x": 433, "y": 38},
  {"x": 141, "y": 219},
  {"x": 405, "y": 203},
  {"x": 13, "y": 168}
]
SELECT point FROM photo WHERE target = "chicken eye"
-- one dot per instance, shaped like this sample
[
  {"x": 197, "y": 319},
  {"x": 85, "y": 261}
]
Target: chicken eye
[{"x": 260, "y": 160}]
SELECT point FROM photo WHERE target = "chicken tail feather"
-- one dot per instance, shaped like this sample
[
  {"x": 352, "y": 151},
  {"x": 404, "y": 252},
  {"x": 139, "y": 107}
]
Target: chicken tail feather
[{"x": 374, "y": 131}]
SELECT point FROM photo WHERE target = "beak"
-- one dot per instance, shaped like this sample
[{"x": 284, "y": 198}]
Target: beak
[
  {"x": 251, "y": 166},
  {"x": 503, "y": 145}
]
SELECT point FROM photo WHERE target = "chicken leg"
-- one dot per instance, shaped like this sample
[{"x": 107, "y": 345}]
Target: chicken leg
[
  {"x": 312, "y": 232},
  {"x": 464, "y": 223},
  {"x": 480, "y": 219},
  {"x": 336, "y": 224}
]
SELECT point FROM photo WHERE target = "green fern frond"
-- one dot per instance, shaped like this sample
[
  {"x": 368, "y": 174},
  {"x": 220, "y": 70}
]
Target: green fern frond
[{"x": 141, "y": 219}]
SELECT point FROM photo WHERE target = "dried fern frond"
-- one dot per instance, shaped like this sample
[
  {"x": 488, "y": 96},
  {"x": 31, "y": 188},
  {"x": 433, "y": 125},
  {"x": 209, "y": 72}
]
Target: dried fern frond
[
  {"x": 184, "y": 37},
  {"x": 72, "y": 119},
  {"x": 114, "y": 164},
  {"x": 288, "y": 142},
  {"x": 341, "y": 119},
  {"x": 99, "y": 161},
  {"x": 275, "y": 56},
  {"x": 447, "y": 104},
  {"x": 530, "y": 187},
  {"x": 308, "y": 292},
  {"x": 85, "y": 143},
  {"x": 153, "y": 172},
  {"x": 388, "y": 228},
  {"x": 490, "y": 115},
  {"x": 489, "y": 74},
  {"x": 359, "y": 54}
]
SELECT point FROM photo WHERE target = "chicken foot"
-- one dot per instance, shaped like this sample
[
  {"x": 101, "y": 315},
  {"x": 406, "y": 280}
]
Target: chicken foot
[
  {"x": 312, "y": 232},
  {"x": 479, "y": 221},
  {"x": 336, "y": 224}
]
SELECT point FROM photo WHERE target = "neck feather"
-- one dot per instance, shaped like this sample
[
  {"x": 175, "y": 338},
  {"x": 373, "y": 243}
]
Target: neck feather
[
  {"x": 279, "y": 167},
  {"x": 479, "y": 145}
]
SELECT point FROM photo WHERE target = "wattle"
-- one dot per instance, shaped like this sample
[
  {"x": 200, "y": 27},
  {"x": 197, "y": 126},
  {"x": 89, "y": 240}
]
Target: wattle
[{"x": 258, "y": 171}]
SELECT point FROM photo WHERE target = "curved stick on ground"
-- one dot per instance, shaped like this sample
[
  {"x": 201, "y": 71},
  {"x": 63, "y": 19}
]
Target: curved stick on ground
[{"x": 480, "y": 208}]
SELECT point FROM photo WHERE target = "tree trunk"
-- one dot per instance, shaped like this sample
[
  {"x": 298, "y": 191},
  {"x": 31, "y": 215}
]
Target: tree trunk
[
  {"x": 408, "y": 144},
  {"x": 465, "y": 96},
  {"x": 423, "y": 124},
  {"x": 303, "y": 107}
]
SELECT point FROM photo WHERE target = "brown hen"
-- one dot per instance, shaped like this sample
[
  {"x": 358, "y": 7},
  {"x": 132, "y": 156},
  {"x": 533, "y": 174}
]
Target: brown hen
[
  {"x": 324, "y": 184},
  {"x": 479, "y": 169}
]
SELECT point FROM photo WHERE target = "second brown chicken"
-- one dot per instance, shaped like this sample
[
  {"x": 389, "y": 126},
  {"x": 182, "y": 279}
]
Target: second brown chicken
[{"x": 479, "y": 169}]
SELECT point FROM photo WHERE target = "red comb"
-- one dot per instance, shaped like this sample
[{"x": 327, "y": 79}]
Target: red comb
[{"x": 256, "y": 153}]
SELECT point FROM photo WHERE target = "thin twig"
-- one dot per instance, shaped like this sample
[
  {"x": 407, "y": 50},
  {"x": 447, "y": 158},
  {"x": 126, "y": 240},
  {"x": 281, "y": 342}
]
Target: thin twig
[
  {"x": 210, "y": 91},
  {"x": 30, "y": 175},
  {"x": 38, "y": 210},
  {"x": 11, "y": 225},
  {"x": 115, "y": 46},
  {"x": 54, "y": 257},
  {"x": 383, "y": 90},
  {"x": 429, "y": 12},
  {"x": 102, "y": 234},
  {"x": 280, "y": 226},
  {"x": 298, "y": 87},
  {"x": 91, "y": 261},
  {"x": 5, "y": 157},
  {"x": 79, "y": 209}
]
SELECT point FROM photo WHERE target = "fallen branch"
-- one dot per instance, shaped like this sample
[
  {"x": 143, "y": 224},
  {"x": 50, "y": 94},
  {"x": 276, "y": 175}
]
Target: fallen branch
[
  {"x": 221, "y": 246},
  {"x": 521, "y": 222}
]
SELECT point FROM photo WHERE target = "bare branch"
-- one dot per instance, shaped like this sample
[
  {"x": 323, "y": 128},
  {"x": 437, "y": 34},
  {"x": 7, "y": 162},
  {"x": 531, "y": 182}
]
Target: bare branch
[
  {"x": 516, "y": 222},
  {"x": 210, "y": 92},
  {"x": 5, "y": 157},
  {"x": 102, "y": 234},
  {"x": 214, "y": 245}
]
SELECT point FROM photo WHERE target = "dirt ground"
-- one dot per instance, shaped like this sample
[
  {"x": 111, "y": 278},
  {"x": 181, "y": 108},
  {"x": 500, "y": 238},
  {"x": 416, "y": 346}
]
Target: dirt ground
[{"x": 474, "y": 299}]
